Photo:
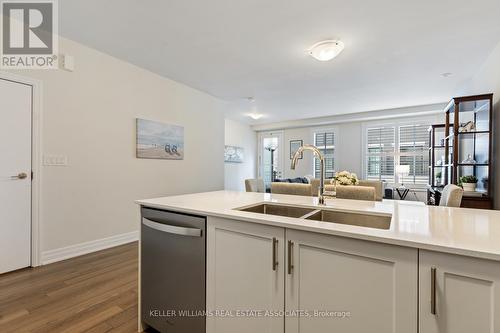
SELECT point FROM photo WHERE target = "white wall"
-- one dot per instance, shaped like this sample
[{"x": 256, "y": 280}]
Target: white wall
[
  {"x": 348, "y": 145},
  {"x": 409, "y": 111},
  {"x": 305, "y": 165},
  {"x": 241, "y": 135},
  {"x": 89, "y": 116},
  {"x": 487, "y": 80}
]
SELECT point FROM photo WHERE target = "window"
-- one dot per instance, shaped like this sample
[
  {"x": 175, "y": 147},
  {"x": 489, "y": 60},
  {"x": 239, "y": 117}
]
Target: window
[
  {"x": 413, "y": 151},
  {"x": 270, "y": 156},
  {"x": 325, "y": 141},
  {"x": 393, "y": 144},
  {"x": 380, "y": 153}
]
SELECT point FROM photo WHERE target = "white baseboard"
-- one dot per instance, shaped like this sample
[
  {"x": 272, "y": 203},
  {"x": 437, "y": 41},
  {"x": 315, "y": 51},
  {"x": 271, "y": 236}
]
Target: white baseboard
[{"x": 76, "y": 250}]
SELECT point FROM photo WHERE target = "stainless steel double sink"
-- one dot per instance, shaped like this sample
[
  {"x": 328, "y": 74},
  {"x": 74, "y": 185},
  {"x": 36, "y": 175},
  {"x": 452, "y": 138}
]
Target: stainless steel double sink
[{"x": 378, "y": 221}]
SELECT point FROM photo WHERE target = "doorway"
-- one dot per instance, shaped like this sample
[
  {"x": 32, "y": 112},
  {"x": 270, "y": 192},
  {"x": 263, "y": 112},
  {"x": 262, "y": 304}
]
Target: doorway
[
  {"x": 271, "y": 152},
  {"x": 16, "y": 107}
]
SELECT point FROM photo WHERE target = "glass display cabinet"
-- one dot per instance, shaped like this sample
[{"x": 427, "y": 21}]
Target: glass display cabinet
[
  {"x": 468, "y": 148},
  {"x": 437, "y": 163},
  {"x": 436, "y": 155}
]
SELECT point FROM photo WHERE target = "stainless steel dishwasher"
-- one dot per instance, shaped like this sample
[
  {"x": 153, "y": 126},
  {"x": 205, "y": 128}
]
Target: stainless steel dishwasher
[{"x": 173, "y": 266}]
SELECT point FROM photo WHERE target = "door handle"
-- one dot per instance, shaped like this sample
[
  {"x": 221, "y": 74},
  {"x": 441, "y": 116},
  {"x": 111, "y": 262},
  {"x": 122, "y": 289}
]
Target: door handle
[
  {"x": 21, "y": 175},
  {"x": 433, "y": 290},
  {"x": 290, "y": 260},
  {"x": 275, "y": 253},
  {"x": 172, "y": 229}
]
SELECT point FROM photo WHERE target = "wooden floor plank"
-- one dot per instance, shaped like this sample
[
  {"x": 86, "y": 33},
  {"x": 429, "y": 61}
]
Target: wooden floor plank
[
  {"x": 11, "y": 316},
  {"x": 91, "y": 293}
]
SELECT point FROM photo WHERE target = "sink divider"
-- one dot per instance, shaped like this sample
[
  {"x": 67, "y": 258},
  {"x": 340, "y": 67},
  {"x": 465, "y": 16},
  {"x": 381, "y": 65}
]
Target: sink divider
[{"x": 314, "y": 212}]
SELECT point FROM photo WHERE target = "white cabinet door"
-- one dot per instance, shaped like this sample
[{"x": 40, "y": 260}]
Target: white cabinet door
[
  {"x": 465, "y": 295},
  {"x": 242, "y": 281},
  {"x": 356, "y": 286}
]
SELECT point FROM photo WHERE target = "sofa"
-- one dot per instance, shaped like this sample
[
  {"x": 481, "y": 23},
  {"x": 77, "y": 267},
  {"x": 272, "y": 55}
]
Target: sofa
[
  {"x": 291, "y": 188},
  {"x": 378, "y": 185},
  {"x": 312, "y": 189},
  {"x": 356, "y": 193}
]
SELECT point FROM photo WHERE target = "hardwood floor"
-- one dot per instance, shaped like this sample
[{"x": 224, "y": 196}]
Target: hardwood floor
[{"x": 92, "y": 293}]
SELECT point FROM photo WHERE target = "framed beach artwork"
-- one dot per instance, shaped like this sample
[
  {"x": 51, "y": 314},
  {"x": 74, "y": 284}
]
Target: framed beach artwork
[
  {"x": 159, "y": 141},
  {"x": 233, "y": 154}
]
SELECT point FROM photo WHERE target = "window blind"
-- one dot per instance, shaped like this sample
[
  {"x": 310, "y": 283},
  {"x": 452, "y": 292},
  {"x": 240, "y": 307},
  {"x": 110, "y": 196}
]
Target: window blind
[
  {"x": 405, "y": 144},
  {"x": 325, "y": 141},
  {"x": 413, "y": 151},
  {"x": 380, "y": 154}
]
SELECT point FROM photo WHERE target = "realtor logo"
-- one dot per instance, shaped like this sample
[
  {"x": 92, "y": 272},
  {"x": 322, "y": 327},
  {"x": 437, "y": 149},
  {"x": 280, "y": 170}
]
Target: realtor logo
[{"x": 29, "y": 34}]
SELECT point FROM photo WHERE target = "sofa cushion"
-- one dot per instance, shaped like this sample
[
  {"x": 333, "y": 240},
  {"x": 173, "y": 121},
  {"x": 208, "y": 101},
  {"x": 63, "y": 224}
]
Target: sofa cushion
[
  {"x": 290, "y": 188},
  {"x": 356, "y": 192},
  {"x": 298, "y": 180},
  {"x": 378, "y": 185}
]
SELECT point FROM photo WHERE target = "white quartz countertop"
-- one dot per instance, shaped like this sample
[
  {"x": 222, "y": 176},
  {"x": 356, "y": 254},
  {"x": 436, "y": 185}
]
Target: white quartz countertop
[{"x": 470, "y": 232}]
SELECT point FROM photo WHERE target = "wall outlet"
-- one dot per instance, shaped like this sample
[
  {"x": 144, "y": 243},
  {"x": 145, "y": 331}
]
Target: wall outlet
[{"x": 55, "y": 160}]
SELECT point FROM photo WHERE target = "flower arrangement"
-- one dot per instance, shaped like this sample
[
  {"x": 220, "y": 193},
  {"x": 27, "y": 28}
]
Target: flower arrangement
[{"x": 345, "y": 178}]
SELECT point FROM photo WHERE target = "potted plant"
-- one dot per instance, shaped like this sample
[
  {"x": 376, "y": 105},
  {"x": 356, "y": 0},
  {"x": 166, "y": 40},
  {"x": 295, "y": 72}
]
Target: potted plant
[{"x": 468, "y": 183}]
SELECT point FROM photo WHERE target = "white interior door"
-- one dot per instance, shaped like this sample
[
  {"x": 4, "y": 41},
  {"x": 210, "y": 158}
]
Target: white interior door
[{"x": 15, "y": 175}]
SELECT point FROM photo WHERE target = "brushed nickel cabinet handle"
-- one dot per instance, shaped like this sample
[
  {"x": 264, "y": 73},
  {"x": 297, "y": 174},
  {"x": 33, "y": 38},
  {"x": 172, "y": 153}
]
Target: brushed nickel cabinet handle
[
  {"x": 275, "y": 254},
  {"x": 290, "y": 262},
  {"x": 433, "y": 290}
]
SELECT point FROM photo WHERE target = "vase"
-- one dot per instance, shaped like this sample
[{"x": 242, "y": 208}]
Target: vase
[{"x": 469, "y": 160}]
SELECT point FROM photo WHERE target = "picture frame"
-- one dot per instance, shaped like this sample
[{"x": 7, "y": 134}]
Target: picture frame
[
  {"x": 233, "y": 154},
  {"x": 294, "y": 146},
  {"x": 156, "y": 140}
]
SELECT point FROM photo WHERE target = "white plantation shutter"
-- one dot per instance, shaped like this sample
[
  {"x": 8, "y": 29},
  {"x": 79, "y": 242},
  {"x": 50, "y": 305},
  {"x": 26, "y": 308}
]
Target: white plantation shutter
[
  {"x": 413, "y": 151},
  {"x": 380, "y": 154},
  {"x": 390, "y": 145},
  {"x": 325, "y": 141}
]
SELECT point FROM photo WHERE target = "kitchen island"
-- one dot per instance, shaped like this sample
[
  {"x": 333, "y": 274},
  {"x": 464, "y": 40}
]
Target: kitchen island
[{"x": 280, "y": 263}]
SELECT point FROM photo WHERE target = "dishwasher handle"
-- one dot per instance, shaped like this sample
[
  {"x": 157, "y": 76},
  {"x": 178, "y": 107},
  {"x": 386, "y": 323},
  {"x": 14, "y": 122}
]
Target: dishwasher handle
[{"x": 172, "y": 229}]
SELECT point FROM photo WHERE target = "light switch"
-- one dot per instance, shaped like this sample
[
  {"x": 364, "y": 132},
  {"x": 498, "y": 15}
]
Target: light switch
[
  {"x": 68, "y": 62},
  {"x": 55, "y": 160}
]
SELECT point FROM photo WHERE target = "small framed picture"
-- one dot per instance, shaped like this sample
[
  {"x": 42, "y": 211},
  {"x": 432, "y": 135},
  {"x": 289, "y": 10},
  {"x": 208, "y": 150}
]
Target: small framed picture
[
  {"x": 294, "y": 146},
  {"x": 233, "y": 154}
]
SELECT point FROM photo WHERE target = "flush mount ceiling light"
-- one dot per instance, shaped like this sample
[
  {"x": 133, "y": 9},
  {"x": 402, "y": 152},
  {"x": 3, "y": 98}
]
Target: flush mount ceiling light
[
  {"x": 254, "y": 115},
  {"x": 326, "y": 50}
]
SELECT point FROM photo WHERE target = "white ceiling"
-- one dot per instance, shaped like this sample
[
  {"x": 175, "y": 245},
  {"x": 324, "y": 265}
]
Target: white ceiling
[{"x": 395, "y": 49}]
